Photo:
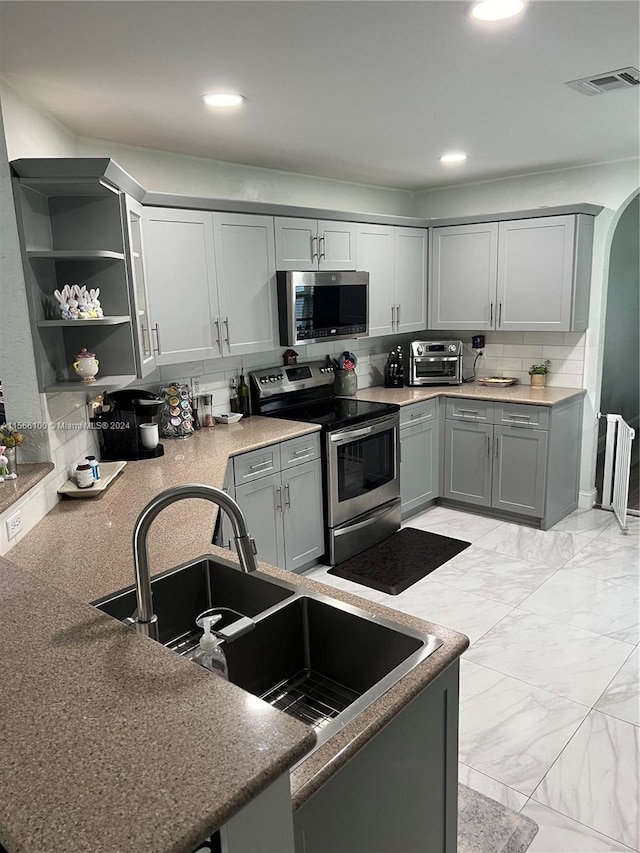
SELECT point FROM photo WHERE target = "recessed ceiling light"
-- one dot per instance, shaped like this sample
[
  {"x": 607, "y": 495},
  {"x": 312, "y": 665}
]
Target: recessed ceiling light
[
  {"x": 497, "y": 10},
  {"x": 223, "y": 99},
  {"x": 453, "y": 157}
]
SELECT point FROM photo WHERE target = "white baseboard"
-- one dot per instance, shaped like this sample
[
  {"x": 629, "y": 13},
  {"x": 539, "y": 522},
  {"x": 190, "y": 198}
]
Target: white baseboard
[{"x": 587, "y": 499}]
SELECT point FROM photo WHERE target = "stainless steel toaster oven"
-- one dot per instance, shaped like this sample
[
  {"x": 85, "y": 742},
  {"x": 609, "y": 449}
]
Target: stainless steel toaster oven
[{"x": 435, "y": 363}]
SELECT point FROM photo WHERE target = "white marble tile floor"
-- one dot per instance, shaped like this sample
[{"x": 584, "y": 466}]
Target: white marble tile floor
[{"x": 550, "y": 694}]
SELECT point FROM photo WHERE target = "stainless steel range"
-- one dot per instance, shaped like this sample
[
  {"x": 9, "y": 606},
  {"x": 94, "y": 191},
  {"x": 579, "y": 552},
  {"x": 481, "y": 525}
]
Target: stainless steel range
[{"x": 360, "y": 452}]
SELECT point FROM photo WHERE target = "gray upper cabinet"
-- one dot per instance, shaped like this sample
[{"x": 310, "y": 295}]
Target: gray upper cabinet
[
  {"x": 375, "y": 255},
  {"x": 246, "y": 272},
  {"x": 396, "y": 260},
  {"x": 520, "y": 275},
  {"x": 464, "y": 263},
  {"x": 212, "y": 283},
  {"x": 310, "y": 244},
  {"x": 183, "y": 290}
]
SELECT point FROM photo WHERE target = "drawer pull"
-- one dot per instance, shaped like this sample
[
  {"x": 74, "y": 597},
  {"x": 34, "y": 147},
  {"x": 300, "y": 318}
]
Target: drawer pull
[
  {"x": 468, "y": 411},
  {"x": 520, "y": 417},
  {"x": 259, "y": 465},
  {"x": 302, "y": 451}
]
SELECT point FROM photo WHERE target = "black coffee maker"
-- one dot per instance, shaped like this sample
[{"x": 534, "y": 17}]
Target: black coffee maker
[
  {"x": 394, "y": 369},
  {"x": 118, "y": 424}
]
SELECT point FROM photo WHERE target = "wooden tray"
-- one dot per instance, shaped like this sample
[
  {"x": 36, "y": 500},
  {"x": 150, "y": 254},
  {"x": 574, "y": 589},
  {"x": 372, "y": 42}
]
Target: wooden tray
[
  {"x": 108, "y": 472},
  {"x": 497, "y": 381}
]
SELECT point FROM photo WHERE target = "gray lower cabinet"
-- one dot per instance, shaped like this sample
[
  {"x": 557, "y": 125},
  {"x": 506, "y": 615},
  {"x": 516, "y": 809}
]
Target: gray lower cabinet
[
  {"x": 468, "y": 462},
  {"x": 399, "y": 792},
  {"x": 519, "y": 469},
  {"x": 261, "y": 502},
  {"x": 284, "y": 510},
  {"x": 419, "y": 455},
  {"x": 519, "y": 458}
]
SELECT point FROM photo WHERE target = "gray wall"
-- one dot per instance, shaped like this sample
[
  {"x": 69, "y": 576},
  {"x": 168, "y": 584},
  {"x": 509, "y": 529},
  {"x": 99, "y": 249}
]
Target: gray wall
[{"x": 620, "y": 387}]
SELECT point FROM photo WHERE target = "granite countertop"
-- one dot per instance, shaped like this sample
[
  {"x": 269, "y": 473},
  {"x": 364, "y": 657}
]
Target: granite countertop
[
  {"x": 81, "y": 551},
  {"x": 471, "y": 390},
  {"x": 108, "y": 741},
  {"x": 29, "y": 475}
]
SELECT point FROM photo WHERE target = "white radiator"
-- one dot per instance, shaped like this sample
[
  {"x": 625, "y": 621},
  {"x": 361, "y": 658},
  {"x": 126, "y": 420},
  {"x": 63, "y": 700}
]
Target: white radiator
[{"x": 617, "y": 466}]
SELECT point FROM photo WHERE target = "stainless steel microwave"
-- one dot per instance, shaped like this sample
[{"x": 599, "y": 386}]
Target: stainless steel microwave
[{"x": 315, "y": 307}]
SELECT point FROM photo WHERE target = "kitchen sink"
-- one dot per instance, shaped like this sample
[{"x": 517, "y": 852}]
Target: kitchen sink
[
  {"x": 312, "y": 656},
  {"x": 181, "y": 594},
  {"x": 323, "y": 661}
]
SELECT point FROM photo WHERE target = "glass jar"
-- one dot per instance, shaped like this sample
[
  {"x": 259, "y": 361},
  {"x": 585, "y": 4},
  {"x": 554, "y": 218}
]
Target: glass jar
[{"x": 346, "y": 383}]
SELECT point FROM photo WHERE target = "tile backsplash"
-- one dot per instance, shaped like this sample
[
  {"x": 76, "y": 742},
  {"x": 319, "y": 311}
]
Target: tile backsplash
[{"x": 504, "y": 354}]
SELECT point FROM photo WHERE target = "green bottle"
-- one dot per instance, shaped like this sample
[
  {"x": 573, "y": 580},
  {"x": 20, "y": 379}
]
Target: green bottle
[{"x": 243, "y": 397}]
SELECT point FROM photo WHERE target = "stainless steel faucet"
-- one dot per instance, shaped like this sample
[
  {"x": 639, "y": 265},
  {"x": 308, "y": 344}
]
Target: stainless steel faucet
[{"x": 144, "y": 619}]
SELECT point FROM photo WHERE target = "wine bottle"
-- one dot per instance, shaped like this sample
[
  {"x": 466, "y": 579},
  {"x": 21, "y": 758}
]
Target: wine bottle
[{"x": 243, "y": 397}]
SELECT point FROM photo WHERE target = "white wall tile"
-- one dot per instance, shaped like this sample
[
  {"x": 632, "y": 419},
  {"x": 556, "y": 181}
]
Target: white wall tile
[
  {"x": 564, "y": 380},
  {"x": 522, "y": 350},
  {"x": 549, "y": 338},
  {"x": 563, "y": 352}
]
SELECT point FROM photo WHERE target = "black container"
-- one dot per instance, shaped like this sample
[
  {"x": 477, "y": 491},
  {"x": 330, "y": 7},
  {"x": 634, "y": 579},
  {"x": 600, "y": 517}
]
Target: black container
[{"x": 119, "y": 428}]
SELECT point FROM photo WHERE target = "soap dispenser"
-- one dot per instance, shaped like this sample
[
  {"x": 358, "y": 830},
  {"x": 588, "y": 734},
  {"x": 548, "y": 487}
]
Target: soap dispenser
[{"x": 209, "y": 653}]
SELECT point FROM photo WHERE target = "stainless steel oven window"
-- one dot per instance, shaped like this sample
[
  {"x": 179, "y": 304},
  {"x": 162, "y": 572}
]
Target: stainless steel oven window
[
  {"x": 436, "y": 368},
  {"x": 362, "y": 470}
]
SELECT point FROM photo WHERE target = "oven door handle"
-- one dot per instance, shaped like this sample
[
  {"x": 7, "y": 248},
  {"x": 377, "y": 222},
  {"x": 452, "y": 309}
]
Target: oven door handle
[
  {"x": 349, "y": 435},
  {"x": 349, "y": 528}
]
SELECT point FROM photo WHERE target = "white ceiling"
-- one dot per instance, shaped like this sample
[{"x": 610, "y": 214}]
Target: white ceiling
[{"x": 361, "y": 91}]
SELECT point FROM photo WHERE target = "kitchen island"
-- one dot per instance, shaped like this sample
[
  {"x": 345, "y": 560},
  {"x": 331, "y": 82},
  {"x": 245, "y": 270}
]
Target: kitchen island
[{"x": 112, "y": 740}]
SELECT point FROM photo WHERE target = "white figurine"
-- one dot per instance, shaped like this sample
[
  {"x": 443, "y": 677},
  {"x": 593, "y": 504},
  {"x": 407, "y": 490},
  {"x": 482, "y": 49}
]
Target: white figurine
[{"x": 5, "y": 474}]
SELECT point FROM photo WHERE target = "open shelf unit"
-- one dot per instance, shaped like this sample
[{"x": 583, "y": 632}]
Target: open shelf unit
[{"x": 75, "y": 230}]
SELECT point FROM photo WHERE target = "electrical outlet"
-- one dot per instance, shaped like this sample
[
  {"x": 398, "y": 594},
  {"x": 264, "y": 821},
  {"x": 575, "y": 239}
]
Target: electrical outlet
[
  {"x": 195, "y": 386},
  {"x": 14, "y": 525}
]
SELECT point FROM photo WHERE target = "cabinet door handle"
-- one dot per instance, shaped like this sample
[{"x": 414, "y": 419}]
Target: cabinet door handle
[
  {"x": 322, "y": 254},
  {"x": 491, "y": 314},
  {"x": 488, "y": 445},
  {"x": 499, "y": 314},
  {"x": 157, "y": 350},
  {"x": 279, "y": 498},
  {"x": 314, "y": 249},
  {"x": 397, "y": 317},
  {"x": 393, "y": 316},
  {"x": 226, "y": 323},
  {"x": 497, "y": 445},
  {"x": 287, "y": 496},
  {"x": 217, "y": 322}
]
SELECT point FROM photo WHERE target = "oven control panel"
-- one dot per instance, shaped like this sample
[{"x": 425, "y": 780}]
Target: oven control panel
[{"x": 293, "y": 377}]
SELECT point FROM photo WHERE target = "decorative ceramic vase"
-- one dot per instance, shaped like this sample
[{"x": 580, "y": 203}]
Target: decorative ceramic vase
[
  {"x": 346, "y": 383},
  {"x": 538, "y": 380},
  {"x": 86, "y": 365}
]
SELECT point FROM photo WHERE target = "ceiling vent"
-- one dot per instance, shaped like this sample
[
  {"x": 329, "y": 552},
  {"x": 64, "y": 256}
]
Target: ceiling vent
[{"x": 623, "y": 78}]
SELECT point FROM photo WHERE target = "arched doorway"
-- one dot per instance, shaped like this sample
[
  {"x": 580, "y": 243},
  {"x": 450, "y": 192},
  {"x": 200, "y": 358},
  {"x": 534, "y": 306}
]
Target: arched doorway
[{"x": 620, "y": 388}]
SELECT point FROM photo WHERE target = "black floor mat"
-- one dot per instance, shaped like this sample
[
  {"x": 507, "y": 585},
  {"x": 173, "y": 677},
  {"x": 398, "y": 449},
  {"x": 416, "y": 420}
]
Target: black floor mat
[{"x": 400, "y": 560}]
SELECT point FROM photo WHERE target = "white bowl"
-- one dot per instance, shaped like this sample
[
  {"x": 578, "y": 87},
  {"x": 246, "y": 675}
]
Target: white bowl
[{"x": 230, "y": 418}]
